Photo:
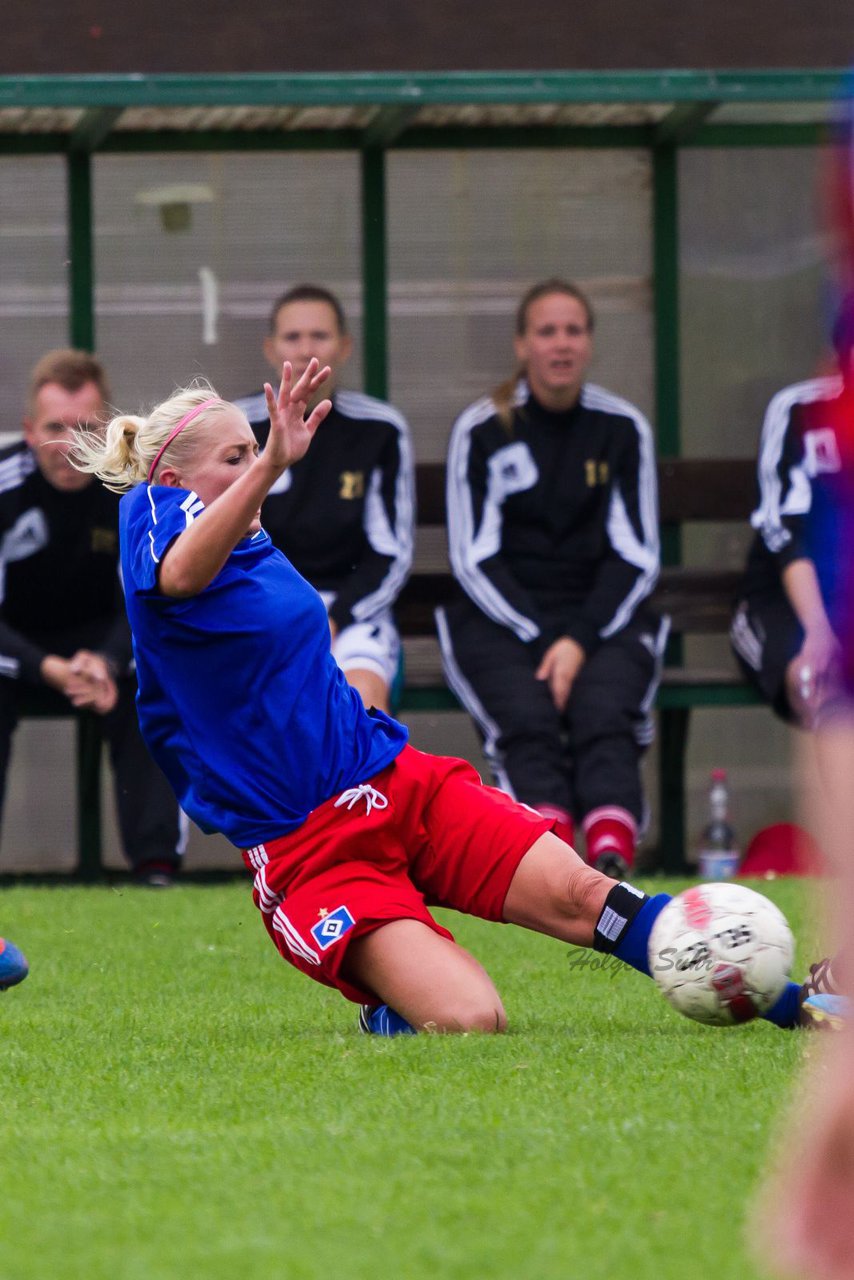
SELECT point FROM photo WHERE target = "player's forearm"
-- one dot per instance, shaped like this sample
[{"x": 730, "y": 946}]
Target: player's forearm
[
  {"x": 199, "y": 553},
  {"x": 800, "y": 583}
]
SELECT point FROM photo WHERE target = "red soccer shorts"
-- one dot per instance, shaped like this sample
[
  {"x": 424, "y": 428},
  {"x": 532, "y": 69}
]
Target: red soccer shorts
[{"x": 424, "y": 830}]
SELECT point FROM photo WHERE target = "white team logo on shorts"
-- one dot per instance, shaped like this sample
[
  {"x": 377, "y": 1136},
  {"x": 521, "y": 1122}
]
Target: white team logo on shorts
[{"x": 332, "y": 927}]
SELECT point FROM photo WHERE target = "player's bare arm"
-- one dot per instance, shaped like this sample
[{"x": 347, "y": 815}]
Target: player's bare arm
[{"x": 199, "y": 553}]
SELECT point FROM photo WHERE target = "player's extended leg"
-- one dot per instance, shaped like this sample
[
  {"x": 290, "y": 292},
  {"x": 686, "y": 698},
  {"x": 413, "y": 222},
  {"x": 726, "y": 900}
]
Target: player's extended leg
[
  {"x": 429, "y": 980},
  {"x": 554, "y": 892}
]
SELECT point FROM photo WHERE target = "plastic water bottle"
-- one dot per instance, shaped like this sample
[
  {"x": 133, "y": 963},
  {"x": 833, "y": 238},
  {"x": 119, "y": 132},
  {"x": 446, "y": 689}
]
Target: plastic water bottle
[{"x": 719, "y": 855}]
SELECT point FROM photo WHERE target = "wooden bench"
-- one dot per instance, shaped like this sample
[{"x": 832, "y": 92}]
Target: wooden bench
[{"x": 699, "y": 602}]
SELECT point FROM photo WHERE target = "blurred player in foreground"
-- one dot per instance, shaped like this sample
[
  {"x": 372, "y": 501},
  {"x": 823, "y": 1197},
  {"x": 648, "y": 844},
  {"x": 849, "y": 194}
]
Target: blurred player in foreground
[
  {"x": 809, "y": 1216},
  {"x": 808, "y": 1226},
  {"x": 349, "y": 831}
]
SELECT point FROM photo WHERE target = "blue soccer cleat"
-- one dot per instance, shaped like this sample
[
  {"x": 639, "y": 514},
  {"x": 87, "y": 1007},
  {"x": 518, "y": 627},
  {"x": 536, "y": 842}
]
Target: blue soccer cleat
[
  {"x": 826, "y": 1012},
  {"x": 822, "y": 1007},
  {"x": 13, "y": 965},
  {"x": 380, "y": 1020}
]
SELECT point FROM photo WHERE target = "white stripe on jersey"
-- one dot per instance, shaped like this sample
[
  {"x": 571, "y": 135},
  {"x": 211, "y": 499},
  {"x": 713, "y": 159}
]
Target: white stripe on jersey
[
  {"x": 745, "y": 640},
  {"x": 643, "y": 553},
  {"x": 459, "y": 685},
  {"x": 386, "y": 540},
  {"x": 767, "y": 518},
  {"x": 466, "y": 547},
  {"x": 15, "y": 469},
  {"x": 268, "y": 899},
  {"x": 645, "y": 732},
  {"x": 255, "y": 407},
  {"x": 257, "y": 855},
  {"x": 292, "y": 939}
]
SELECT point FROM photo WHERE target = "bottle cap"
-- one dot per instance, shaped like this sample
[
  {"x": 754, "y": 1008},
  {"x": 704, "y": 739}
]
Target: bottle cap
[{"x": 719, "y": 775}]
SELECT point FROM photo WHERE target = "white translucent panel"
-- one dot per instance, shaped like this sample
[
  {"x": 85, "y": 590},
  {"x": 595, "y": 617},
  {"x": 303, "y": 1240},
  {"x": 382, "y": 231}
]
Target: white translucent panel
[
  {"x": 754, "y": 298},
  {"x": 192, "y": 250},
  {"x": 470, "y": 231},
  {"x": 33, "y": 272}
]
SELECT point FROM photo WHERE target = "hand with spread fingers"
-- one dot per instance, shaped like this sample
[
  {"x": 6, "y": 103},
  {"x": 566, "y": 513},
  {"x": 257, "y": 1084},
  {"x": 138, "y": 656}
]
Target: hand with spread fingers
[{"x": 290, "y": 431}]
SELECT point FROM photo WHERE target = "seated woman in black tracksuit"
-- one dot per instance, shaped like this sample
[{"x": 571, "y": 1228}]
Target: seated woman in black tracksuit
[{"x": 553, "y": 531}]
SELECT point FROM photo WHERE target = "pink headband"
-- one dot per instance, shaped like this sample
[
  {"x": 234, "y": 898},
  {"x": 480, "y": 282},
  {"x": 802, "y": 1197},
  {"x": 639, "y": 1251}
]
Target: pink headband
[{"x": 188, "y": 417}]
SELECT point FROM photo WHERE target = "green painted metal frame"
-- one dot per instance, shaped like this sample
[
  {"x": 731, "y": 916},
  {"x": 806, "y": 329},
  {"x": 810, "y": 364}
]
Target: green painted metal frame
[
  {"x": 374, "y": 272},
  {"x": 81, "y": 277},
  {"x": 407, "y": 89}
]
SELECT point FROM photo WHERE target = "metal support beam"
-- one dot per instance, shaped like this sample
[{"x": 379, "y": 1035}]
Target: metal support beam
[
  {"x": 374, "y": 282},
  {"x": 665, "y": 233},
  {"x": 387, "y": 125},
  {"x": 406, "y": 88},
  {"x": 89, "y": 752},
  {"x": 81, "y": 286},
  {"x": 683, "y": 121},
  {"x": 93, "y": 127},
  {"x": 672, "y": 776},
  {"x": 673, "y": 726}
]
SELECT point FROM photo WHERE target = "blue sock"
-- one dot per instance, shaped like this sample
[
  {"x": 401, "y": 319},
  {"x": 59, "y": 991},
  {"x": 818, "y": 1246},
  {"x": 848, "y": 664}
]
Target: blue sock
[
  {"x": 383, "y": 1021},
  {"x": 633, "y": 946},
  {"x": 785, "y": 1012}
]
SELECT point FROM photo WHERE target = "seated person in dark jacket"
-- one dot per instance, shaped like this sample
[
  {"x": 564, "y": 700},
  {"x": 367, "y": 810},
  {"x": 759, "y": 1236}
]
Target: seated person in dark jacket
[
  {"x": 781, "y": 630},
  {"x": 343, "y": 515},
  {"x": 64, "y": 636},
  {"x": 553, "y": 532}
]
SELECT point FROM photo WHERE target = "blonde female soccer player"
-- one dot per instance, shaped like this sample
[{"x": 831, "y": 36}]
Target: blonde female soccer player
[{"x": 349, "y": 831}]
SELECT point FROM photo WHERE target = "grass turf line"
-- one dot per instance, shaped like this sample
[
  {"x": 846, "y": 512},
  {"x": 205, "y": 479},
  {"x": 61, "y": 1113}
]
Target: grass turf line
[{"x": 178, "y": 1102}]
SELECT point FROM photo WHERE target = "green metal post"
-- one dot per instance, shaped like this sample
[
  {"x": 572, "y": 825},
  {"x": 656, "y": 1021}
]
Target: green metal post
[
  {"x": 81, "y": 284},
  {"x": 374, "y": 273},
  {"x": 665, "y": 231},
  {"x": 673, "y": 724},
  {"x": 89, "y": 750}
]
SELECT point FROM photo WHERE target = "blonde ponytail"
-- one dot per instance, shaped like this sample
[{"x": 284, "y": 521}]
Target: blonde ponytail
[
  {"x": 114, "y": 456},
  {"x": 123, "y": 455},
  {"x": 504, "y": 399}
]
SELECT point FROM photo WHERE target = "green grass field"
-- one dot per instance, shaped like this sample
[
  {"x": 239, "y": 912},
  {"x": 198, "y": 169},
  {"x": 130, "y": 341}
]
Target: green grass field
[{"x": 178, "y": 1102}]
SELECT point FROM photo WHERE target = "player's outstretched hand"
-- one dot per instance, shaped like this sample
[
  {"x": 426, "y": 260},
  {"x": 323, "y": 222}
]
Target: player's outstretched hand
[{"x": 291, "y": 431}]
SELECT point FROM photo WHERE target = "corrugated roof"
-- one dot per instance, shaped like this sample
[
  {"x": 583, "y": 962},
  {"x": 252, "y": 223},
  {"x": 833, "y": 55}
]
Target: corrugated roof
[{"x": 385, "y": 108}]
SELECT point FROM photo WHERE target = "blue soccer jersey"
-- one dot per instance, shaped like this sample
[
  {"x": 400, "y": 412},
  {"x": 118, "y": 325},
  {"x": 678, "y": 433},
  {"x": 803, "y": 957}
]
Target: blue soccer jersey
[{"x": 240, "y": 700}]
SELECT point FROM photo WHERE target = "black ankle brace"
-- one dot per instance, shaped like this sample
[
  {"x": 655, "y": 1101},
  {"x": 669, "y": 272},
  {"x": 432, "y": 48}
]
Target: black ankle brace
[{"x": 621, "y": 906}]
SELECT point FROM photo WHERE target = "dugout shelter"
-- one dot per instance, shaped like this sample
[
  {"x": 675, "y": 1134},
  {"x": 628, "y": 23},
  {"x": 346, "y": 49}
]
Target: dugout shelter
[{"x": 154, "y": 215}]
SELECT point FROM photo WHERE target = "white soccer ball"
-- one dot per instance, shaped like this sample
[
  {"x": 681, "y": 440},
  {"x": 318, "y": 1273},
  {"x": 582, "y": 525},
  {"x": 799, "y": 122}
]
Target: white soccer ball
[{"x": 721, "y": 953}]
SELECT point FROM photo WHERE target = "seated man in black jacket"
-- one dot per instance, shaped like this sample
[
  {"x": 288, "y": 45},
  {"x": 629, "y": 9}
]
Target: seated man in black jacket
[
  {"x": 343, "y": 514},
  {"x": 64, "y": 637}
]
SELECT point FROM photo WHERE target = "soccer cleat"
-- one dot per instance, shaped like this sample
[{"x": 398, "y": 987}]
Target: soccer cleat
[
  {"x": 612, "y": 863},
  {"x": 825, "y": 1012},
  {"x": 819, "y": 987},
  {"x": 380, "y": 1020},
  {"x": 13, "y": 965}
]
